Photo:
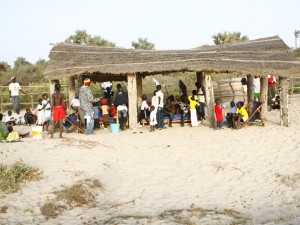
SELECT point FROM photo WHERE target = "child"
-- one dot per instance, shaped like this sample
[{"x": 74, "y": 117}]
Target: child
[
  {"x": 219, "y": 114},
  {"x": 29, "y": 117},
  {"x": 10, "y": 119},
  {"x": 241, "y": 115},
  {"x": 12, "y": 135},
  {"x": 153, "y": 121},
  {"x": 105, "y": 110},
  {"x": 40, "y": 113},
  {"x": 47, "y": 110},
  {"x": 184, "y": 109},
  {"x": 144, "y": 108},
  {"x": 193, "y": 105},
  {"x": 96, "y": 116},
  {"x": 113, "y": 111},
  {"x": 275, "y": 104}
]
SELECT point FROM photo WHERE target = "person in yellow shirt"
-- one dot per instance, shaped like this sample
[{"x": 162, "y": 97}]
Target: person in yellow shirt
[
  {"x": 193, "y": 105},
  {"x": 241, "y": 115}
]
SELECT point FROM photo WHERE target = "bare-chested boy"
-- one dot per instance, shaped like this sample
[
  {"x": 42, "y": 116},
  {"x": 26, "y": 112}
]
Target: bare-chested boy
[{"x": 57, "y": 109}]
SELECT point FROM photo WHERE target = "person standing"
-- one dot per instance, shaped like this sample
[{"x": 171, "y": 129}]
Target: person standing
[
  {"x": 219, "y": 114},
  {"x": 86, "y": 102},
  {"x": 256, "y": 85},
  {"x": 58, "y": 109},
  {"x": 201, "y": 100},
  {"x": 121, "y": 102},
  {"x": 271, "y": 88},
  {"x": 160, "y": 106},
  {"x": 14, "y": 89},
  {"x": 193, "y": 105}
]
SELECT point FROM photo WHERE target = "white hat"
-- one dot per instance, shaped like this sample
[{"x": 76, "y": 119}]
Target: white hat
[{"x": 12, "y": 78}]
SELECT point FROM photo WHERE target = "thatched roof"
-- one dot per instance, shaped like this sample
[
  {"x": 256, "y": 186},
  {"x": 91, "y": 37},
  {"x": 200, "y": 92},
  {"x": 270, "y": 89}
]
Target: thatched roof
[{"x": 262, "y": 56}]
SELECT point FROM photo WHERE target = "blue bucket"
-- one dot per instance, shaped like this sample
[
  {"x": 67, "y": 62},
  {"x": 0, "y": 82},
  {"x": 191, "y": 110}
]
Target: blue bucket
[{"x": 115, "y": 128}]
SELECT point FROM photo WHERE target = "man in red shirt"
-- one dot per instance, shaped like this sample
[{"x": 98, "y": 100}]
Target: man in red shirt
[{"x": 271, "y": 88}]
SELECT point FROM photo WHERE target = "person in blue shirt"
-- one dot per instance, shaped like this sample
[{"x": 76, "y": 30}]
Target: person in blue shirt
[{"x": 233, "y": 106}]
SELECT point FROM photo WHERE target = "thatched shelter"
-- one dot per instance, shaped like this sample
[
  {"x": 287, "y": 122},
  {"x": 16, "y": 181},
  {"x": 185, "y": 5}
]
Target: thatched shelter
[{"x": 257, "y": 57}]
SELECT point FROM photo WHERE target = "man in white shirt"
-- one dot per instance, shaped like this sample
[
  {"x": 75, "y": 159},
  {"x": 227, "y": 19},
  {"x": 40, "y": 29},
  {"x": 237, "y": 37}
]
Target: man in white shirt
[
  {"x": 160, "y": 99},
  {"x": 75, "y": 105},
  {"x": 14, "y": 89}
]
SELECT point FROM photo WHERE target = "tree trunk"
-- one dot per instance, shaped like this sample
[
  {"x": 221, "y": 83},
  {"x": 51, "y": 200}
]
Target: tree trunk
[
  {"x": 284, "y": 113},
  {"x": 210, "y": 100},
  {"x": 132, "y": 100},
  {"x": 250, "y": 90},
  {"x": 264, "y": 93}
]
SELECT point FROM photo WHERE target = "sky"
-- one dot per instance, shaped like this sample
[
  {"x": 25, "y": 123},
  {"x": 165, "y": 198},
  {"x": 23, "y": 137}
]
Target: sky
[{"x": 28, "y": 27}]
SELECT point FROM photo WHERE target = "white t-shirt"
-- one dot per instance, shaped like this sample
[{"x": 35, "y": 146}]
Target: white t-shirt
[
  {"x": 14, "y": 88},
  {"x": 144, "y": 105},
  {"x": 48, "y": 106},
  {"x": 201, "y": 96},
  {"x": 256, "y": 84},
  {"x": 75, "y": 102},
  {"x": 161, "y": 95}
]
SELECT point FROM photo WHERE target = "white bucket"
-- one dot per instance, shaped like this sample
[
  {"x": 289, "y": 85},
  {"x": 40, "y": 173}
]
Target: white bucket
[{"x": 37, "y": 132}]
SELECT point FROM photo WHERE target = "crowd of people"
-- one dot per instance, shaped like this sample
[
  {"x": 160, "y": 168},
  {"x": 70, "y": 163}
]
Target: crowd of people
[{"x": 89, "y": 111}]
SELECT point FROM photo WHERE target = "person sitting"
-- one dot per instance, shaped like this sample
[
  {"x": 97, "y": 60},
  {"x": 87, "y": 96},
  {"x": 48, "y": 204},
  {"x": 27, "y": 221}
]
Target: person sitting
[
  {"x": 29, "y": 117},
  {"x": 75, "y": 105},
  {"x": 3, "y": 129},
  {"x": 240, "y": 116},
  {"x": 10, "y": 120},
  {"x": 12, "y": 135},
  {"x": 168, "y": 110},
  {"x": 229, "y": 116},
  {"x": 275, "y": 104}
]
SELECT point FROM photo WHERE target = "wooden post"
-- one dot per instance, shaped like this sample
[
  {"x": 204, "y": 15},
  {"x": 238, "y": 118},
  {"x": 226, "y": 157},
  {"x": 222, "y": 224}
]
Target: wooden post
[
  {"x": 132, "y": 100},
  {"x": 139, "y": 87},
  {"x": 283, "y": 91},
  {"x": 250, "y": 90},
  {"x": 1, "y": 103},
  {"x": 264, "y": 93},
  {"x": 71, "y": 89},
  {"x": 210, "y": 100},
  {"x": 200, "y": 77}
]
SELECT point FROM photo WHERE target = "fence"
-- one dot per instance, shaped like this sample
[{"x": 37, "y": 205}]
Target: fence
[{"x": 30, "y": 99}]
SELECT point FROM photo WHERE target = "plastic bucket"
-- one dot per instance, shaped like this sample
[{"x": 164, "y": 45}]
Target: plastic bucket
[
  {"x": 115, "y": 128},
  {"x": 37, "y": 132}
]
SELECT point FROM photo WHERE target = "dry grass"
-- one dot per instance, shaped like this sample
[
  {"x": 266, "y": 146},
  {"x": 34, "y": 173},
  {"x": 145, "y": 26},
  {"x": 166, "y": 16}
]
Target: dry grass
[
  {"x": 78, "y": 195},
  {"x": 288, "y": 180},
  {"x": 183, "y": 216},
  {"x": 12, "y": 176}
]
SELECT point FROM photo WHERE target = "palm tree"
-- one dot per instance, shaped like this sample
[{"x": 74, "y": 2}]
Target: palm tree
[{"x": 228, "y": 38}]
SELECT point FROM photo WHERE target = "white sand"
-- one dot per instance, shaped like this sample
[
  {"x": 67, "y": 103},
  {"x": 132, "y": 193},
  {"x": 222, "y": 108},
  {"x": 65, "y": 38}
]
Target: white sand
[{"x": 176, "y": 168}]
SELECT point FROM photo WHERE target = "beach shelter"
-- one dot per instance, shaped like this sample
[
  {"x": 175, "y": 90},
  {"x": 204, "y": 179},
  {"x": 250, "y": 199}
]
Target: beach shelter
[{"x": 257, "y": 57}]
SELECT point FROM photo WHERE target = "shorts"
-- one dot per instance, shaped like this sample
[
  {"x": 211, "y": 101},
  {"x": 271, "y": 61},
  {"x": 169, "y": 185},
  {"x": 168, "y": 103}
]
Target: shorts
[
  {"x": 59, "y": 113},
  {"x": 105, "y": 118},
  {"x": 256, "y": 94}
]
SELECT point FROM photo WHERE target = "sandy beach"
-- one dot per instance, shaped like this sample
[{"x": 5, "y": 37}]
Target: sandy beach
[{"x": 173, "y": 176}]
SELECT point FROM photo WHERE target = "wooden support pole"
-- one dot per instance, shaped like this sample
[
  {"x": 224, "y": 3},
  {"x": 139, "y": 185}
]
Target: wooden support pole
[
  {"x": 71, "y": 89},
  {"x": 264, "y": 93},
  {"x": 210, "y": 100},
  {"x": 139, "y": 87},
  {"x": 132, "y": 100},
  {"x": 283, "y": 91},
  {"x": 250, "y": 90},
  {"x": 200, "y": 77}
]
